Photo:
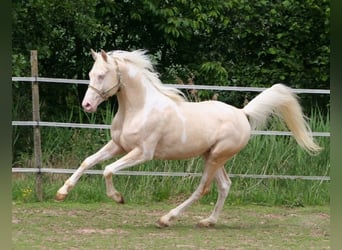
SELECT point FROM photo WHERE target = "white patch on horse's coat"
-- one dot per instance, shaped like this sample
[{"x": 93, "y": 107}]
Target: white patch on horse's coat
[
  {"x": 182, "y": 118},
  {"x": 160, "y": 104},
  {"x": 147, "y": 150},
  {"x": 132, "y": 71},
  {"x": 150, "y": 102},
  {"x": 184, "y": 137}
]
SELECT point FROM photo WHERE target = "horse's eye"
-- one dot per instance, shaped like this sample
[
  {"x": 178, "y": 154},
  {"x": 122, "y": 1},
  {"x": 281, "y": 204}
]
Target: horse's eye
[{"x": 101, "y": 77}]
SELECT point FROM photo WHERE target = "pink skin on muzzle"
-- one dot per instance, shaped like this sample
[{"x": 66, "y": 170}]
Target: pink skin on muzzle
[
  {"x": 87, "y": 107},
  {"x": 90, "y": 101}
]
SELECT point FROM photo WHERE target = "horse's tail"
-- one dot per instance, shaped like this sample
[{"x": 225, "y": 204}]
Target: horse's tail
[{"x": 280, "y": 100}]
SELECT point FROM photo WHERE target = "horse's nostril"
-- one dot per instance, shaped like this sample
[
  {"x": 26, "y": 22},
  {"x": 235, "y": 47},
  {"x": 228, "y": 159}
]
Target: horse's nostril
[{"x": 86, "y": 105}]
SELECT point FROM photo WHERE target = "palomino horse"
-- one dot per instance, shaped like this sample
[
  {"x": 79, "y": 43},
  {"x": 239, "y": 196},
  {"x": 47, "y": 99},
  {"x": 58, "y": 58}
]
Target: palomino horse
[{"x": 154, "y": 121}]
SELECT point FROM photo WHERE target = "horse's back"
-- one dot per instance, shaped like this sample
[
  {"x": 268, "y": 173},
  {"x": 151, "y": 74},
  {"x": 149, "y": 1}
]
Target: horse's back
[{"x": 215, "y": 113}]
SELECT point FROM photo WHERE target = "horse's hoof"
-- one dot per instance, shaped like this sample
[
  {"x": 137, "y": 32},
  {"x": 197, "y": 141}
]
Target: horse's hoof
[
  {"x": 60, "y": 197},
  {"x": 161, "y": 224},
  {"x": 205, "y": 224},
  {"x": 121, "y": 200},
  {"x": 117, "y": 197}
]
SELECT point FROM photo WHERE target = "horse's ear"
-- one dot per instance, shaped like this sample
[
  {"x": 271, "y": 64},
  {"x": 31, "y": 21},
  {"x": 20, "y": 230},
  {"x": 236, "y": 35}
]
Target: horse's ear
[
  {"x": 93, "y": 53},
  {"x": 104, "y": 55}
]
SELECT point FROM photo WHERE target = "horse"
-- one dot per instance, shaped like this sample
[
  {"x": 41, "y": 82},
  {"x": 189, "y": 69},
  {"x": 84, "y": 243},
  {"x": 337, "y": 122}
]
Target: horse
[{"x": 154, "y": 121}]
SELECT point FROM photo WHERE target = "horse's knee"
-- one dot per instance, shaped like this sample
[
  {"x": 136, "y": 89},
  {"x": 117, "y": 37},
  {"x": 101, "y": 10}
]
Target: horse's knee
[{"x": 107, "y": 173}]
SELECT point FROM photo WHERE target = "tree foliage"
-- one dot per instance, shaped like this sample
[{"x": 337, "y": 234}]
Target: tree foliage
[{"x": 214, "y": 42}]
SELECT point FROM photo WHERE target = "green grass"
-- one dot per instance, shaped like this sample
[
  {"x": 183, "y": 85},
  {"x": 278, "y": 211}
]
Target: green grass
[
  {"x": 70, "y": 225},
  {"x": 272, "y": 155}
]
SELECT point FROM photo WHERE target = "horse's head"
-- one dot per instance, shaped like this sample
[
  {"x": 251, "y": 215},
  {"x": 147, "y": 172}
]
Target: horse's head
[{"x": 104, "y": 81}]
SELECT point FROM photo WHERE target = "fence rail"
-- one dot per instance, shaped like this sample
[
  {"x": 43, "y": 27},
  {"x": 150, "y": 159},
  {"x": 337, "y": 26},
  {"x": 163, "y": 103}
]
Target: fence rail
[
  {"x": 178, "y": 86},
  {"x": 34, "y": 79},
  {"x": 169, "y": 174},
  {"x": 105, "y": 126}
]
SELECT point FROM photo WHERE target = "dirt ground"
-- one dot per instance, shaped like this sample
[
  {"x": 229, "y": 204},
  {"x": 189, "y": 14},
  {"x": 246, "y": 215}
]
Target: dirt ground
[{"x": 110, "y": 226}]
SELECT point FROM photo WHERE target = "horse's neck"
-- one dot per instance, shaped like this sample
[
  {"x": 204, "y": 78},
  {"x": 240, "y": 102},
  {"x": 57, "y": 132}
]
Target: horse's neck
[{"x": 136, "y": 93}]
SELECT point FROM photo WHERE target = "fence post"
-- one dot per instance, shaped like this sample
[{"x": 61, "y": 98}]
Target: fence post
[{"x": 36, "y": 129}]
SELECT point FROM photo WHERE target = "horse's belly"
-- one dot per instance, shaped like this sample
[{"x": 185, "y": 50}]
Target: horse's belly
[
  {"x": 180, "y": 151},
  {"x": 185, "y": 144}
]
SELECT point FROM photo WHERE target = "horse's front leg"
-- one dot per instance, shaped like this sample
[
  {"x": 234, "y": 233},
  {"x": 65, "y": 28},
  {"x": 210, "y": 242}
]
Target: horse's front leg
[
  {"x": 106, "y": 152},
  {"x": 132, "y": 158}
]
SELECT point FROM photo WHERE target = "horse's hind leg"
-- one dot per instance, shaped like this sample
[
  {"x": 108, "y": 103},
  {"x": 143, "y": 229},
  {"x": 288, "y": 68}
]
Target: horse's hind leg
[
  {"x": 201, "y": 190},
  {"x": 223, "y": 184},
  {"x": 211, "y": 166},
  {"x": 106, "y": 152}
]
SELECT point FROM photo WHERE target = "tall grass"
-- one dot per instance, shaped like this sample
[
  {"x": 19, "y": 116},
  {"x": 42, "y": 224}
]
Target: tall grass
[{"x": 271, "y": 155}]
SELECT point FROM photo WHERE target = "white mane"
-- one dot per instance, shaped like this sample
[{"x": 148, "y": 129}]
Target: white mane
[{"x": 142, "y": 61}]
